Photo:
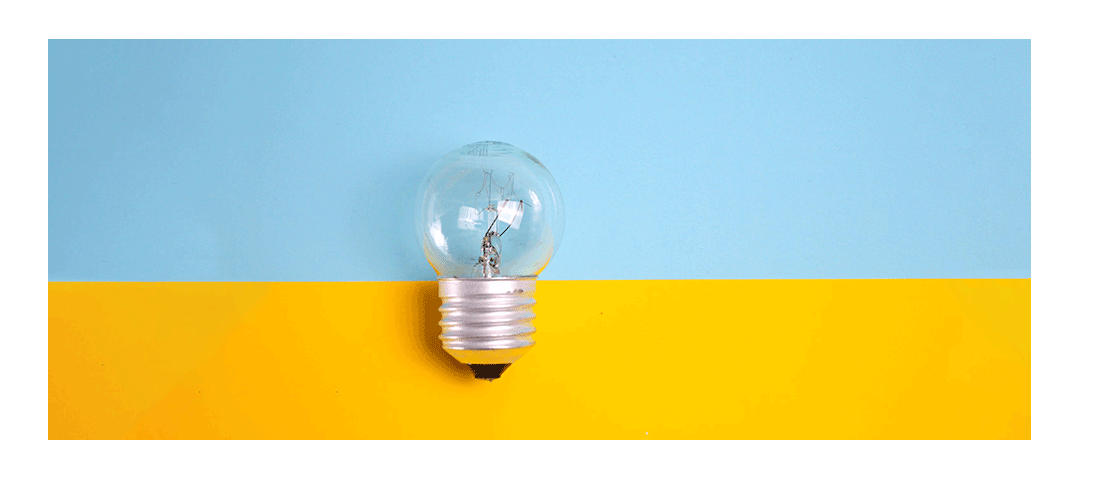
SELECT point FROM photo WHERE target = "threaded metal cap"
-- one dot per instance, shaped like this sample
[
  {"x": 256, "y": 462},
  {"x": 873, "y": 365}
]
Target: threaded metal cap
[{"x": 486, "y": 323}]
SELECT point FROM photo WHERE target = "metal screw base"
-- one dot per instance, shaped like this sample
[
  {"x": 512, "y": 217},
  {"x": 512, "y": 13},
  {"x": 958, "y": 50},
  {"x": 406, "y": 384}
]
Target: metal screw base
[{"x": 487, "y": 322}]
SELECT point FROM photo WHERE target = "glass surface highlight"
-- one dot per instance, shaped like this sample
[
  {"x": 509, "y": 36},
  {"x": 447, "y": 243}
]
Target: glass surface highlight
[{"x": 489, "y": 209}]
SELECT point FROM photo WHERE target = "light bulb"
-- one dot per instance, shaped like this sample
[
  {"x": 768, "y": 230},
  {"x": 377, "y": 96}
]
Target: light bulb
[{"x": 489, "y": 219}]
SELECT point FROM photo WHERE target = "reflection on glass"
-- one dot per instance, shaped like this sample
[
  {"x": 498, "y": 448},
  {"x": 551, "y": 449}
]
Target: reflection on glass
[{"x": 489, "y": 209}]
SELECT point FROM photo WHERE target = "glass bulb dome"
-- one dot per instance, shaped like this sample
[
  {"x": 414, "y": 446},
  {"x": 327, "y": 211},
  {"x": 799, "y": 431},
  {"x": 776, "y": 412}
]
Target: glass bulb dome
[{"x": 489, "y": 209}]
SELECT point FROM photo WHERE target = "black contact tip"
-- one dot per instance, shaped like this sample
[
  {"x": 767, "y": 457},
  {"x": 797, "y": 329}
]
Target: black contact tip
[{"x": 489, "y": 372}]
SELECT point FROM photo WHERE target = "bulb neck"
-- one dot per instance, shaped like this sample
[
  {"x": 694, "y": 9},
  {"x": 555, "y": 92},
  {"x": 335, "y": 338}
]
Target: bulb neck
[{"x": 487, "y": 321}]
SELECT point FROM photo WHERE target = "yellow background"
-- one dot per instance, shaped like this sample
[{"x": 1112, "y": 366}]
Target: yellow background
[{"x": 706, "y": 359}]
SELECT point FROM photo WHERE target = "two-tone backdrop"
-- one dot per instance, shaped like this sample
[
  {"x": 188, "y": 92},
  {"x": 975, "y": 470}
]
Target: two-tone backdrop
[{"x": 764, "y": 239}]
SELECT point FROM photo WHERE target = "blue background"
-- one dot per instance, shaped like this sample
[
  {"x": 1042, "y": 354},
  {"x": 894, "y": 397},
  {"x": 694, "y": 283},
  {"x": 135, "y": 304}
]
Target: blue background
[{"x": 300, "y": 160}]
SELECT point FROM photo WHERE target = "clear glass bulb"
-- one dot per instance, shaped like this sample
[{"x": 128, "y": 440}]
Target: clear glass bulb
[{"x": 489, "y": 209}]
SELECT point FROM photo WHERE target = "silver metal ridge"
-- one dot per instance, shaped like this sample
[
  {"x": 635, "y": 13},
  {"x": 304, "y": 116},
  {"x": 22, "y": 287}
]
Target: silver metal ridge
[{"x": 487, "y": 320}]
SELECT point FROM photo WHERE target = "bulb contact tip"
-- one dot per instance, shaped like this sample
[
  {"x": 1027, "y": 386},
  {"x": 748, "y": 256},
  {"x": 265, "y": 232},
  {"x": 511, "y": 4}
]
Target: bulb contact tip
[{"x": 490, "y": 372}]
